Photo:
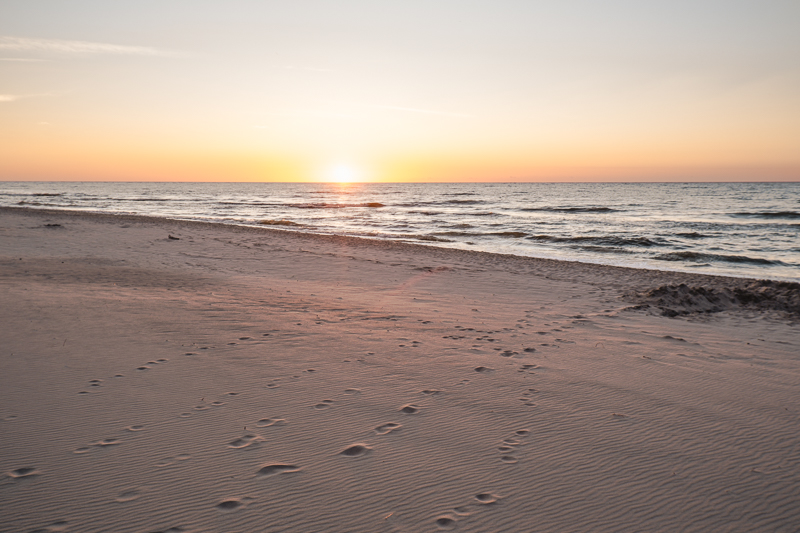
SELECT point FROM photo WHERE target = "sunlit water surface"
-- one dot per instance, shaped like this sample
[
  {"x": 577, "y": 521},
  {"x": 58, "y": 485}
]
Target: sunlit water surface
[{"x": 741, "y": 229}]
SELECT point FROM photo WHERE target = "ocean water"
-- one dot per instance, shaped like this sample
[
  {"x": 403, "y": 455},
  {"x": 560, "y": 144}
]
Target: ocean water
[{"x": 734, "y": 229}]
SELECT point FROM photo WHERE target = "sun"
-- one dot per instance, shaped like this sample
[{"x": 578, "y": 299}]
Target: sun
[{"x": 342, "y": 174}]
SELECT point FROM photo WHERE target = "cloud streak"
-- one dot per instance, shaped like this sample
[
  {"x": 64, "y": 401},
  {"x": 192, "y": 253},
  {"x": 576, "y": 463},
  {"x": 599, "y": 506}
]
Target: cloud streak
[
  {"x": 25, "y": 44},
  {"x": 8, "y": 97}
]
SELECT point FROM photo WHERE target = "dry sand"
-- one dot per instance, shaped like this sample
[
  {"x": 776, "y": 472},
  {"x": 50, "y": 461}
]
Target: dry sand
[{"x": 258, "y": 380}]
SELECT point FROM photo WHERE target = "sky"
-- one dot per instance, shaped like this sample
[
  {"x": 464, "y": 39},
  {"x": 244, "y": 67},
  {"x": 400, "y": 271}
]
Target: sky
[{"x": 412, "y": 90}]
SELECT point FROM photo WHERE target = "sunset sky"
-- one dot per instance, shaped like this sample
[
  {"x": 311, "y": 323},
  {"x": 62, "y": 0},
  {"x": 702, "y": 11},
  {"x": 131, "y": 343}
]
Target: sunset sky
[{"x": 372, "y": 90}]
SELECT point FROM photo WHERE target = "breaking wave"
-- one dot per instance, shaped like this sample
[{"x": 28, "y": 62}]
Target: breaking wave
[
  {"x": 769, "y": 214},
  {"x": 607, "y": 240},
  {"x": 571, "y": 209},
  {"x": 701, "y": 257}
]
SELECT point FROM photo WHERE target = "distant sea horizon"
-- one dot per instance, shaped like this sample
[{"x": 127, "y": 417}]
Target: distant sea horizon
[{"x": 741, "y": 229}]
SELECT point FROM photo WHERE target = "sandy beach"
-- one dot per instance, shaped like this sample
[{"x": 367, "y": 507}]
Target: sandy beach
[{"x": 187, "y": 377}]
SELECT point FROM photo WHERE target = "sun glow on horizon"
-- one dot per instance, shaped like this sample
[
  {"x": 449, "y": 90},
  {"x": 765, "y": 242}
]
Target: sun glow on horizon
[{"x": 343, "y": 174}]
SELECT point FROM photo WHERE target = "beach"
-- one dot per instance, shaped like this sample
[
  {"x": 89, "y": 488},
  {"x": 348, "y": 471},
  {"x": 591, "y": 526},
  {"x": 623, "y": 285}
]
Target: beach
[{"x": 162, "y": 375}]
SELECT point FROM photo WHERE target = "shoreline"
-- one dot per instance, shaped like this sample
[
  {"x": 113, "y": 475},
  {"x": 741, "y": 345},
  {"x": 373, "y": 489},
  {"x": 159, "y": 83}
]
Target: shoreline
[
  {"x": 365, "y": 241},
  {"x": 593, "y": 225},
  {"x": 643, "y": 286}
]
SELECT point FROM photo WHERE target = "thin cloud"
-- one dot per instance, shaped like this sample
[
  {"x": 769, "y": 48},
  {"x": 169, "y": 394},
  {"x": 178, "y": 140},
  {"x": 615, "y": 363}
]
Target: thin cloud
[
  {"x": 76, "y": 47},
  {"x": 22, "y": 59},
  {"x": 421, "y": 111},
  {"x": 15, "y": 97}
]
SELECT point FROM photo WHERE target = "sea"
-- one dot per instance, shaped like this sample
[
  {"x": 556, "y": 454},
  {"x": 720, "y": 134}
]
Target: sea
[{"x": 733, "y": 229}]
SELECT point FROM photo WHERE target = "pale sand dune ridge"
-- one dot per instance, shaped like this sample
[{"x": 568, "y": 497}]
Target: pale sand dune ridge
[{"x": 248, "y": 379}]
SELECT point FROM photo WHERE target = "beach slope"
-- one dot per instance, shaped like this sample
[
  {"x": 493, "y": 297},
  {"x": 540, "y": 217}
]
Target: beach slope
[{"x": 176, "y": 376}]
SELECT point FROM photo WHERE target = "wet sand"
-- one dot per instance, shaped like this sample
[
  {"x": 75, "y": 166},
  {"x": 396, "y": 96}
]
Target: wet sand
[{"x": 175, "y": 376}]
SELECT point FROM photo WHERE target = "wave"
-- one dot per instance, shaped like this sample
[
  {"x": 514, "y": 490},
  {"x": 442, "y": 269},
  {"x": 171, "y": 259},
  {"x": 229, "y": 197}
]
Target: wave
[
  {"x": 606, "y": 249},
  {"x": 690, "y": 235},
  {"x": 148, "y": 200},
  {"x": 47, "y": 194},
  {"x": 279, "y": 223},
  {"x": 505, "y": 234},
  {"x": 256, "y": 204},
  {"x": 431, "y": 238},
  {"x": 464, "y": 202},
  {"x": 768, "y": 214},
  {"x": 571, "y": 209},
  {"x": 335, "y": 206},
  {"x": 707, "y": 258},
  {"x": 461, "y": 226},
  {"x": 607, "y": 240}
]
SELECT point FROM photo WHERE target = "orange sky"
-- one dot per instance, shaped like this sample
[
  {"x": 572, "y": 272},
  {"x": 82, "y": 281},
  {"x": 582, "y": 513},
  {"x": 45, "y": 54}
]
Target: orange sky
[{"x": 423, "y": 91}]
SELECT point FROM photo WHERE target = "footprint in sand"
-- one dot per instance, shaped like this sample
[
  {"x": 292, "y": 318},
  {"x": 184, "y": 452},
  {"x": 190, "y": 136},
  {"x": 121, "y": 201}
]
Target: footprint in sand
[
  {"x": 483, "y": 369},
  {"x": 356, "y": 450},
  {"x": 510, "y": 444},
  {"x": 245, "y": 441},
  {"x": 387, "y": 428},
  {"x": 446, "y": 523},
  {"x": 134, "y": 428},
  {"x": 324, "y": 404},
  {"x": 486, "y": 498},
  {"x": 232, "y": 504},
  {"x": 352, "y": 392},
  {"x": 410, "y": 409},
  {"x": 107, "y": 443},
  {"x": 277, "y": 468},
  {"x": 432, "y": 392},
  {"x": 20, "y": 473},
  {"x": 268, "y": 422}
]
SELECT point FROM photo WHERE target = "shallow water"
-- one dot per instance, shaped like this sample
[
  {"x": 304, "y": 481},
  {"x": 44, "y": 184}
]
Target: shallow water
[{"x": 738, "y": 229}]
